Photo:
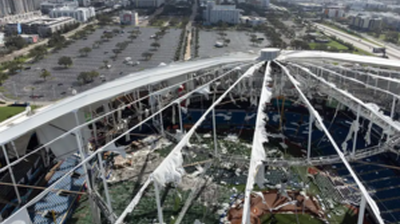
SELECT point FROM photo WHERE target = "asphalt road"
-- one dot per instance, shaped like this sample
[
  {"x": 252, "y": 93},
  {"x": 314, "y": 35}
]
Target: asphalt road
[
  {"x": 240, "y": 42},
  {"x": 359, "y": 43},
  {"x": 62, "y": 81}
]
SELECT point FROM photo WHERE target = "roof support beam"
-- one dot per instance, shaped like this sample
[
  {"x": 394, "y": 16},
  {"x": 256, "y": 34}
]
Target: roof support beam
[
  {"x": 107, "y": 114},
  {"x": 352, "y": 102},
  {"x": 103, "y": 148},
  {"x": 375, "y": 88},
  {"x": 257, "y": 150},
  {"x": 159, "y": 172},
  {"x": 363, "y": 190}
]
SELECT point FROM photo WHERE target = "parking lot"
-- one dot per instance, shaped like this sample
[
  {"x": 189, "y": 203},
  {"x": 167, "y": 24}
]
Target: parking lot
[
  {"x": 63, "y": 81},
  {"x": 239, "y": 42}
]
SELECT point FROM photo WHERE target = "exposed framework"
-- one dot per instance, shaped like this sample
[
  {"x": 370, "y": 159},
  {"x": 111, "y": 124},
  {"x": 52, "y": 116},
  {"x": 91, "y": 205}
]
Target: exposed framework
[{"x": 171, "y": 163}]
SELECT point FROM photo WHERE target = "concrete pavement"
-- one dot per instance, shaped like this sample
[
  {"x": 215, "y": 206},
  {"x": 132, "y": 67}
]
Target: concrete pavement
[{"x": 357, "y": 42}]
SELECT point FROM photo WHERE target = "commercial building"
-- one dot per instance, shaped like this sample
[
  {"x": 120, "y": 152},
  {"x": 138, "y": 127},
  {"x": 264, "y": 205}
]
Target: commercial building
[
  {"x": 147, "y": 3},
  {"x": 84, "y": 3},
  {"x": 20, "y": 17},
  {"x": 221, "y": 13},
  {"x": 78, "y": 13},
  {"x": 305, "y": 6},
  {"x": 129, "y": 18},
  {"x": 361, "y": 5},
  {"x": 43, "y": 26},
  {"x": 334, "y": 12},
  {"x": 49, "y": 5},
  {"x": 365, "y": 22},
  {"x": 252, "y": 21},
  {"x": 30, "y": 38}
]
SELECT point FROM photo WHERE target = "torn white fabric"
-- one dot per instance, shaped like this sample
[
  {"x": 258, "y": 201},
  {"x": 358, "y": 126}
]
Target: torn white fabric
[
  {"x": 205, "y": 91},
  {"x": 368, "y": 134},
  {"x": 170, "y": 170},
  {"x": 261, "y": 195},
  {"x": 353, "y": 128},
  {"x": 232, "y": 99},
  {"x": 257, "y": 151},
  {"x": 113, "y": 148},
  {"x": 173, "y": 115}
]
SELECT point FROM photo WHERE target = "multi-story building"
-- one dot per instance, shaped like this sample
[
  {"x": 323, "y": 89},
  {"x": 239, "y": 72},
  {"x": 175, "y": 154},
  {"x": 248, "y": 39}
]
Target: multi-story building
[
  {"x": 12, "y": 7},
  {"x": 80, "y": 14},
  {"x": 49, "y": 5},
  {"x": 147, "y": 3},
  {"x": 366, "y": 22},
  {"x": 129, "y": 18},
  {"x": 265, "y": 4},
  {"x": 20, "y": 17},
  {"x": 334, "y": 12},
  {"x": 221, "y": 13},
  {"x": 252, "y": 21},
  {"x": 84, "y": 3},
  {"x": 361, "y": 5},
  {"x": 43, "y": 26}
]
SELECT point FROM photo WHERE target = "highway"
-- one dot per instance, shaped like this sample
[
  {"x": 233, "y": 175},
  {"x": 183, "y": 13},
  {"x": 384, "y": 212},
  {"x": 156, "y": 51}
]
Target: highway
[{"x": 358, "y": 42}]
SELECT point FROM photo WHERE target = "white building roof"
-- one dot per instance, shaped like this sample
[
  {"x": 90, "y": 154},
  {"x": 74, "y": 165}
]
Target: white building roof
[{"x": 26, "y": 123}]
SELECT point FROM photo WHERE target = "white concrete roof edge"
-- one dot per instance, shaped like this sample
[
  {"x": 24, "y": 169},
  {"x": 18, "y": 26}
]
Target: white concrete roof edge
[
  {"x": 111, "y": 89},
  {"x": 347, "y": 57}
]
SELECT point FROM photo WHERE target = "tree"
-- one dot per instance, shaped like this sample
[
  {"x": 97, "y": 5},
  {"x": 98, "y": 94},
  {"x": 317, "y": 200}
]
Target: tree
[
  {"x": 15, "y": 42},
  {"x": 86, "y": 77},
  {"x": 38, "y": 52},
  {"x": 155, "y": 44},
  {"x": 56, "y": 40},
  {"x": 13, "y": 67},
  {"x": 44, "y": 74},
  {"x": 132, "y": 37},
  {"x": 105, "y": 63},
  {"x": 104, "y": 19},
  {"x": 253, "y": 39},
  {"x": 227, "y": 41},
  {"x": 147, "y": 55},
  {"x": 84, "y": 51},
  {"x": 392, "y": 36},
  {"x": 83, "y": 77},
  {"x": 108, "y": 36},
  {"x": 93, "y": 74},
  {"x": 3, "y": 77},
  {"x": 66, "y": 61}
]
